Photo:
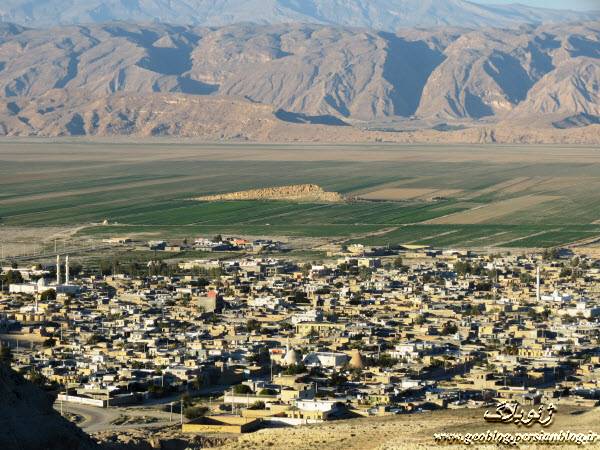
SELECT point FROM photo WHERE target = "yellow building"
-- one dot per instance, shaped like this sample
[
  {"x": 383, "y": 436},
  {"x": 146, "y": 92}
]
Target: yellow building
[{"x": 222, "y": 424}]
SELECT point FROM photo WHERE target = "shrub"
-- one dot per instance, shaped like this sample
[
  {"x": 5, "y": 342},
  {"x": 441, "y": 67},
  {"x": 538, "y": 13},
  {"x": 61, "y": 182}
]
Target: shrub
[
  {"x": 295, "y": 369},
  {"x": 242, "y": 389},
  {"x": 257, "y": 405},
  {"x": 267, "y": 392},
  {"x": 194, "y": 412}
]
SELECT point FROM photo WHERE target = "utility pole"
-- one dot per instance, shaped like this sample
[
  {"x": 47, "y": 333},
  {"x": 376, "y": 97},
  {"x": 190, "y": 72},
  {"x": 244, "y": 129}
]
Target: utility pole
[
  {"x": 181, "y": 411},
  {"x": 171, "y": 414}
]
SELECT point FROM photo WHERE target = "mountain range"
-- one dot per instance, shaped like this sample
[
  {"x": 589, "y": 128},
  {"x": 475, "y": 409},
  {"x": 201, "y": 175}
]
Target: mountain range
[
  {"x": 385, "y": 15},
  {"x": 69, "y": 80},
  {"x": 232, "y": 69}
]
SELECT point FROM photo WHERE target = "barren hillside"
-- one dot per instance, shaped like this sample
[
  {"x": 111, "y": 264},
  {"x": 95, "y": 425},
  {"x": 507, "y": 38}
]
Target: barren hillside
[
  {"x": 28, "y": 421},
  {"x": 379, "y": 14},
  {"x": 271, "y": 82}
]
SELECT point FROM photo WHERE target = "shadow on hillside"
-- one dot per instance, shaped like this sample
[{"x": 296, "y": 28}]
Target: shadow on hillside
[
  {"x": 407, "y": 68},
  {"x": 288, "y": 116}
]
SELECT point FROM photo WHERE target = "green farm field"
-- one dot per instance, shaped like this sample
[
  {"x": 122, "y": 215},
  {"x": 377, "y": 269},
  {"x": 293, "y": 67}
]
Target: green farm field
[{"x": 447, "y": 196}]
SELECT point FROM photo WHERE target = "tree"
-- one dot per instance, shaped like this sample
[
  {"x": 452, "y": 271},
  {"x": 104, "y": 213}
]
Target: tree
[
  {"x": 385, "y": 360},
  {"x": 198, "y": 382},
  {"x": 75, "y": 269},
  {"x": 186, "y": 399},
  {"x": 295, "y": 369},
  {"x": 49, "y": 343},
  {"x": 551, "y": 254},
  {"x": 94, "y": 339},
  {"x": 462, "y": 268},
  {"x": 449, "y": 328},
  {"x": 525, "y": 278},
  {"x": 566, "y": 272},
  {"x": 194, "y": 412},
  {"x": 6, "y": 355},
  {"x": 575, "y": 261},
  {"x": 242, "y": 389},
  {"x": 300, "y": 297},
  {"x": 49, "y": 294},
  {"x": 398, "y": 263},
  {"x": 337, "y": 379},
  {"x": 106, "y": 267},
  {"x": 306, "y": 268},
  {"x": 267, "y": 391},
  {"x": 253, "y": 325},
  {"x": 258, "y": 405},
  {"x": 37, "y": 378},
  {"x": 472, "y": 310},
  {"x": 158, "y": 391},
  {"x": 13, "y": 277},
  {"x": 356, "y": 374}
]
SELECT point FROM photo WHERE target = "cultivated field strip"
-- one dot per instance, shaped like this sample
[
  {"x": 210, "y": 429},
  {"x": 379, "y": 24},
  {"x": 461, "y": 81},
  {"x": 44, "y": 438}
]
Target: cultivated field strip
[{"x": 448, "y": 196}]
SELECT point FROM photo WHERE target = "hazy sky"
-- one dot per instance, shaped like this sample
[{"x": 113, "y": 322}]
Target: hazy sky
[{"x": 581, "y": 5}]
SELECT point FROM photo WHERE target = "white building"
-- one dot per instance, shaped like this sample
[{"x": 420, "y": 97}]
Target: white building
[
  {"x": 326, "y": 359},
  {"x": 312, "y": 315}
]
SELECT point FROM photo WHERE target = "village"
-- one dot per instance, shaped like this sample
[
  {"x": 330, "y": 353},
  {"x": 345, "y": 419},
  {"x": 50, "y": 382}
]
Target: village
[{"x": 259, "y": 340}]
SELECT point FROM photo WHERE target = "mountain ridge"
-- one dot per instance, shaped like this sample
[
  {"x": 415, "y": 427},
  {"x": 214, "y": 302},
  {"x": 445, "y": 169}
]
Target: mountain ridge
[
  {"x": 387, "y": 15},
  {"x": 72, "y": 80}
]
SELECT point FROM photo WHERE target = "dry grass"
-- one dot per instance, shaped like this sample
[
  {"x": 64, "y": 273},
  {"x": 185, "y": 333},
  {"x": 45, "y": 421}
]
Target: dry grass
[
  {"x": 17, "y": 241},
  {"x": 402, "y": 432}
]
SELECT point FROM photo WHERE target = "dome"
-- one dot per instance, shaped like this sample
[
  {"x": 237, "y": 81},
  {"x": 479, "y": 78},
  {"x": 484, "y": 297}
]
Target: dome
[
  {"x": 356, "y": 361},
  {"x": 291, "y": 358}
]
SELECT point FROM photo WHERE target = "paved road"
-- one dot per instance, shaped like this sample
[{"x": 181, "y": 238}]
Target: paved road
[{"x": 101, "y": 419}]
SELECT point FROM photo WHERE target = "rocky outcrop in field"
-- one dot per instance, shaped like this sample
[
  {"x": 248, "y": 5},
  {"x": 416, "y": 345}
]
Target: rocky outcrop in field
[{"x": 296, "y": 192}]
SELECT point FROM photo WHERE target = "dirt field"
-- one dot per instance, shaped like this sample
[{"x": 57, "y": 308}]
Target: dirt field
[
  {"x": 492, "y": 211},
  {"x": 398, "y": 194},
  {"x": 16, "y": 241}
]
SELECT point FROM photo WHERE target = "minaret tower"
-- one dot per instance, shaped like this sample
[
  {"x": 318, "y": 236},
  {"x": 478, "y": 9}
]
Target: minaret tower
[
  {"x": 67, "y": 269},
  {"x": 537, "y": 284},
  {"x": 57, "y": 270}
]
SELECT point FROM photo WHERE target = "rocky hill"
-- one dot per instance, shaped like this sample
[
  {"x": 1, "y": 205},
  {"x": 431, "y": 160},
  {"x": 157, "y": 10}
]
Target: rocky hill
[
  {"x": 296, "y": 192},
  {"x": 28, "y": 421},
  {"x": 406, "y": 432},
  {"x": 378, "y": 14},
  {"x": 255, "y": 82}
]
